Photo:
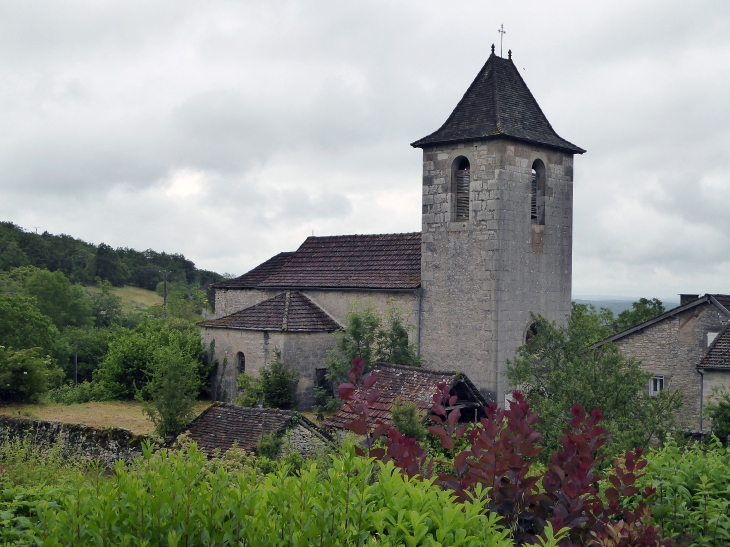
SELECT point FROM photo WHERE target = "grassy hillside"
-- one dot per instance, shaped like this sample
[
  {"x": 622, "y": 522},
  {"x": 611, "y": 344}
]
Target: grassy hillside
[{"x": 134, "y": 298}]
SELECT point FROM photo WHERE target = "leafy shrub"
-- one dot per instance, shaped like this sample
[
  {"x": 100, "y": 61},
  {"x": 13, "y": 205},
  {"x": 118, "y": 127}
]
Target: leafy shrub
[
  {"x": 279, "y": 384},
  {"x": 173, "y": 390},
  {"x": 250, "y": 390},
  {"x": 692, "y": 491},
  {"x": 269, "y": 446},
  {"x": 170, "y": 498},
  {"x": 719, "y": 412},
  {"x": 25, "y": 375},
  {"x": 407, "y": 420},
  {"x": 83, "y": 392}
]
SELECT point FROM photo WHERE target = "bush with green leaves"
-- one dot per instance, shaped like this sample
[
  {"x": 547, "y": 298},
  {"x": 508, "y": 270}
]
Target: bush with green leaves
[
  {"x": 692, "y": 498},
  {"x": 174, "y": 498},
  {"x": 26, "y": 375},
  {"x": 172, "y": 391},
  {"x": 129, "y": 364},
  {"x": 83, "y": 392},
  {"x": 719, "y": 413},
  {"x": 250, "y": 390},
  {"x": 279, "y": 384},
  {"x": 407, "y": 420}
]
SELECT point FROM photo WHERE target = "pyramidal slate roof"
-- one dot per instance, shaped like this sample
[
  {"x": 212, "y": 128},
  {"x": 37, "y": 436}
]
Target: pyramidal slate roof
[
  {"x": 289, "y": 311},
  {"x": 409, "y": 384},
  {"x": 381, "y": 261},
  {"x": 498, "y": 104},
  {"x": 718, "y": 354}
]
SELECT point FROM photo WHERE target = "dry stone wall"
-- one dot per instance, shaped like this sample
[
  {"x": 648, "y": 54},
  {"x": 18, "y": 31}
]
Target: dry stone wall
[{"x": 107, "y": 445}]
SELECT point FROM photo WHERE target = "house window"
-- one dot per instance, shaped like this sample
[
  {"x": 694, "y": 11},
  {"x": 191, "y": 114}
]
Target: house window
[
  {"x": 462, "y": 183},
  {"x": 322, "y": 381},
  {"x": 537, "y": 193},
  {"x": 241, "y": 362},
  {"x": 531, "y": 332},
  {"x": 656, "y": 385}
]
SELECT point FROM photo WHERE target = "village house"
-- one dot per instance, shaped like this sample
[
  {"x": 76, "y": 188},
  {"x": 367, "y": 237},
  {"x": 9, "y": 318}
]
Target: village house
[
  {"x": 682, "y": 349},
  {"x": 495, "y": 246}
]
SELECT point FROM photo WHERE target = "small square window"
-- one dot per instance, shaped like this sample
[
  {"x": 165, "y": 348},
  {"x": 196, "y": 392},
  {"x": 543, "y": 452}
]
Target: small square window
[{"x": 656, "y": 385}]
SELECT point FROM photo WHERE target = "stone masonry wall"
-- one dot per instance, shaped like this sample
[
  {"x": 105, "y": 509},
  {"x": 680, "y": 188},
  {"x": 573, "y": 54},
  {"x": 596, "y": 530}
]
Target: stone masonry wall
[
  {"x": 106, "y": 445},
  {"x": 481, "y": 278},
  {"x": 305, "y": 441},
  {"x": 673, "y": 348},
  {"x": 304, "y": 352}
]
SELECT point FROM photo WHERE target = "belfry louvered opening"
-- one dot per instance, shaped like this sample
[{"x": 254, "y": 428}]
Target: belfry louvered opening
[
  {"x": 537, "y": 193},
  {"x": 462, "y": 183}
]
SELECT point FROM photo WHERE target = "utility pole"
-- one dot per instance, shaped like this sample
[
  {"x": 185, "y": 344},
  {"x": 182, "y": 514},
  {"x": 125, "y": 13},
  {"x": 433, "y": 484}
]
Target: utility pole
[
  {"x": 164, "y": 292},
  {"x": 76, "y": 363}
]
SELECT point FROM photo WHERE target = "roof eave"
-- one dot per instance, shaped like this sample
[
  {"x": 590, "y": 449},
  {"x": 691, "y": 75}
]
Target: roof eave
[{"x": 422, "y": 143}]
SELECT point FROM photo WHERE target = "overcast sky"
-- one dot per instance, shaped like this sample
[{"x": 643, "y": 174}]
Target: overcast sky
[{"x": 230, "y": 131}]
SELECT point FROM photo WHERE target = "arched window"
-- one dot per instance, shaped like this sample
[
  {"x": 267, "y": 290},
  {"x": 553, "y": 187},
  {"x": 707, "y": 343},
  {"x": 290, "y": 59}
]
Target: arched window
[
  {"x": 537, "y": 193},
  {"x": 461, "y": 183},
  {"x": 241, "y": 361},
  {"x": 531, "y": 332}
]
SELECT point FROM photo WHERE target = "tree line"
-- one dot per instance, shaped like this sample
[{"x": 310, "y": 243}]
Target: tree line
[{"x": 85, "y": 263}]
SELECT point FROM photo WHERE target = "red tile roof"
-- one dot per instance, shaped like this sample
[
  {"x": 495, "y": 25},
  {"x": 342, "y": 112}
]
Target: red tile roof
[
  {"x": 718, "y": 354},
  {"x": 289, "y": 311},
  {"x": 251, "y": 279},
  {"x": 383, "y": 261},
  {"x": 219, "y": 426},
  {"x": 409, "y": 384}
]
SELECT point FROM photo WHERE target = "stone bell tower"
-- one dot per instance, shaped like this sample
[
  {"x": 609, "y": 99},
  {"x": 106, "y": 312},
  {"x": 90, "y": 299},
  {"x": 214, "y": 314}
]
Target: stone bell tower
[{"x": 497, "y": 227}]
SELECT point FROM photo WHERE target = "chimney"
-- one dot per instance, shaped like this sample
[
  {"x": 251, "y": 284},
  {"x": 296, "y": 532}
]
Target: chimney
[{"x": 687, "y": 298}]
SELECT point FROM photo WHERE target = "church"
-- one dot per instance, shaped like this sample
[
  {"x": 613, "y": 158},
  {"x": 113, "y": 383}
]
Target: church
[{"x": 495, "y": 245}]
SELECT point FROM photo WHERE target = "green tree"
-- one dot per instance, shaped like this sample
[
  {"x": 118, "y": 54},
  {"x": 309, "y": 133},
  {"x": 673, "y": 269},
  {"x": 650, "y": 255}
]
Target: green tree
[
  {"x": 11, "y": 255},
  {"x": 64, "y": 303},
  {"x": 559, "y": 368},
  {"x": 373, "y": 338},
  {"x": 106, "y": 307},
  {"x": 25, "y": 375},
  {"x": 184, "y": 301},
  {"x": 23, "y": 326},
  {"x": 128, "y": 366},
  {"x": 279, "y": 384},
  {"x": 173, "y": 389},
  {"x": 640, "y": 311},
  {"x": 108, "y": 265}
]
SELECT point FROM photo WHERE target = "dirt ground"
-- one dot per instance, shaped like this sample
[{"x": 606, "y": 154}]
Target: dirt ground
[{"x": 126, "y": 414}]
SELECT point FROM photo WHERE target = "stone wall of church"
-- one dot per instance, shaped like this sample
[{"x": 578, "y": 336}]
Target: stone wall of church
[
  {"x": 483, "y": 277},
  {"x": 304, "y": 352},
  {"x": 715, "y": 381},
  {"x": 228, "y": 301},
  {"x": 672, "y": 348}
]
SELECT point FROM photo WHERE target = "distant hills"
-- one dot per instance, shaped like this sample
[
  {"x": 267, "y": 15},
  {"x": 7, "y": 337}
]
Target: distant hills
[
  {"x": 617, "y": 306},
  {"x": 84, "y": 262}
]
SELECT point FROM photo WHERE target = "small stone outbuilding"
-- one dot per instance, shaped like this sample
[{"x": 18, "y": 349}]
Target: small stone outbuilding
[
  {"x": 222, "y": 425},
  {"x": 673, "y": 346},
  {"x": 413, "y": 385}
]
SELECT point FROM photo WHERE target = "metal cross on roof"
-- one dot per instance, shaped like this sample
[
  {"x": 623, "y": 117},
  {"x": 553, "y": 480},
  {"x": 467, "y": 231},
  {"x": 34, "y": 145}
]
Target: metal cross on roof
[{"x": 502, "y": 32}]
